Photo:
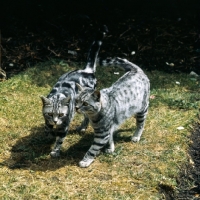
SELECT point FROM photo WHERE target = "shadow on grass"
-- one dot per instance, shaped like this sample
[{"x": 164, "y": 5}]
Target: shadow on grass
[{"x": 32, "y": 152}]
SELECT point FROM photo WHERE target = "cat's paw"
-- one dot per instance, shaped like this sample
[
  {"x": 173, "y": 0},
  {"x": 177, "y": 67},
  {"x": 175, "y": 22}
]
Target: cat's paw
[
  {"x": 55, "y": 153},
  {"x": 135, "y": 139},
  {"x": 109, "y": 150},
  {"x": 86, "y": 162},
  {"x": 79, "y": 129}
]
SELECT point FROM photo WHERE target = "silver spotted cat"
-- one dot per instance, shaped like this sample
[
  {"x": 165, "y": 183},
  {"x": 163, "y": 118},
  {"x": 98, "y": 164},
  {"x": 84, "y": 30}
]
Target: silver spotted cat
[
  {"x": 110, "y": 107},
  {"x": 59, "y": 106}
]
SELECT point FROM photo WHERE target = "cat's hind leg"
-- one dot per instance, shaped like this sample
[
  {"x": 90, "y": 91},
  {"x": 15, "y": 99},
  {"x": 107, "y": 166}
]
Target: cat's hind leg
[{"x": 140, "y": 121}]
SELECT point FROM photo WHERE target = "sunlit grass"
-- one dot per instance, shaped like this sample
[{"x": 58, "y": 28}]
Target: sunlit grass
[{"x": 134, "y": 171}]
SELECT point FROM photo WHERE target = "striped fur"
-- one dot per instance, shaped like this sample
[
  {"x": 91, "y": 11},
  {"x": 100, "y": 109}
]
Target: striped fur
[
  {"x": 110, "y": 107},
  {"x": 59, "y": 105}
]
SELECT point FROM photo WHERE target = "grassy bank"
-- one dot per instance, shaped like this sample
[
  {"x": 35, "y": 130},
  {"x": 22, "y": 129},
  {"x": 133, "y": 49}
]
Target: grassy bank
[{"x": 134, "y": 171}]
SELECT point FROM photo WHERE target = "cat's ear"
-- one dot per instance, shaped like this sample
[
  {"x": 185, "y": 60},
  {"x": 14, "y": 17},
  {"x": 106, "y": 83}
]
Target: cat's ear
[
  {"x": 45, "y": 101},
  {"x": 80, "y": 88},
  {"x": 65, "y": 101},
  {"x": 97, "y": 95}
]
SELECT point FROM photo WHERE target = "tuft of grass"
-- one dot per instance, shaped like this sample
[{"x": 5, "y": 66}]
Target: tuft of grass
[{"x": 133, "y": 171}]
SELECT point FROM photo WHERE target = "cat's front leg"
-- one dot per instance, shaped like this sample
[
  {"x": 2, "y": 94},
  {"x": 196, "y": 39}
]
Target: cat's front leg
[
  {"x": 100, "y": 140},
  {"x": 56, "y": 150},
  {"x": 59, "y": 139},
  {"x": 87, "y": 160},
  {"x": 111, "y": 146},
  {"x": 61, "y": 134}
]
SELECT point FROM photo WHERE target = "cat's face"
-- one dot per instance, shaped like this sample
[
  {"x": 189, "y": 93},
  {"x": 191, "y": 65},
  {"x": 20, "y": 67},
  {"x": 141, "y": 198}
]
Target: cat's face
[
  {"x": 88, "y": 101},
  {"x": 55, "y": 109}
]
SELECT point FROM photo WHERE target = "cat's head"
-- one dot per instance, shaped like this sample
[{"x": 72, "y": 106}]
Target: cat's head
[
  {"x": 88, "y": 100},
  {"x": 55, "y": 109}
]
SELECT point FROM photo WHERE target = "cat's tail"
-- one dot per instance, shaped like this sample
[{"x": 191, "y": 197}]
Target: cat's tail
[
  {"x": 119, "y": 62},
  {"x": 94, "y": 50}
]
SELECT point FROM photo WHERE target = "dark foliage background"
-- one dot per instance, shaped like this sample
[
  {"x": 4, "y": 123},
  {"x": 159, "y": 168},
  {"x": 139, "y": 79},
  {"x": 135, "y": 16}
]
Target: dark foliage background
[{"x": 164, "y": 35}]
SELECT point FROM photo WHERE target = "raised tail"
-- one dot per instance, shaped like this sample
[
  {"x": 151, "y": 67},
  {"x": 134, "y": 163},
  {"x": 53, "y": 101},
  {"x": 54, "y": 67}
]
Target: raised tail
[
  {"x": 121, "y": 63},
  {"x": 94, "y": 50}
]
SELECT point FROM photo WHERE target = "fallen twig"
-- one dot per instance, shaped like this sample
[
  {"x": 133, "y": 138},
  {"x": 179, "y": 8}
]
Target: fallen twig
[{"x": 53, "y": 52}]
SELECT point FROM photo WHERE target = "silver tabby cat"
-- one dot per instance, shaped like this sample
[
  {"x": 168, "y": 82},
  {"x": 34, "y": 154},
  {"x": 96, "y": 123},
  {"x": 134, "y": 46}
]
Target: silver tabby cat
[
  {"x": 110, "y": 107},
  {"x": 59, "y": 105}
]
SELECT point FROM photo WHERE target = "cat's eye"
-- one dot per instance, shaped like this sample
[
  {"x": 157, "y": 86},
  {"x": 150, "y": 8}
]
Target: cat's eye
[
  {"x": 85, "y": 103},
  {"x": 50, "y": 114},
  {"x": 61, "y": 114}
]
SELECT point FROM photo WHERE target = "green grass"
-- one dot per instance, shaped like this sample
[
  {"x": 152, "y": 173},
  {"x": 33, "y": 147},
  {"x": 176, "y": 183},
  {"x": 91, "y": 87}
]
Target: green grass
[{"x": 134, "y": 171}]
